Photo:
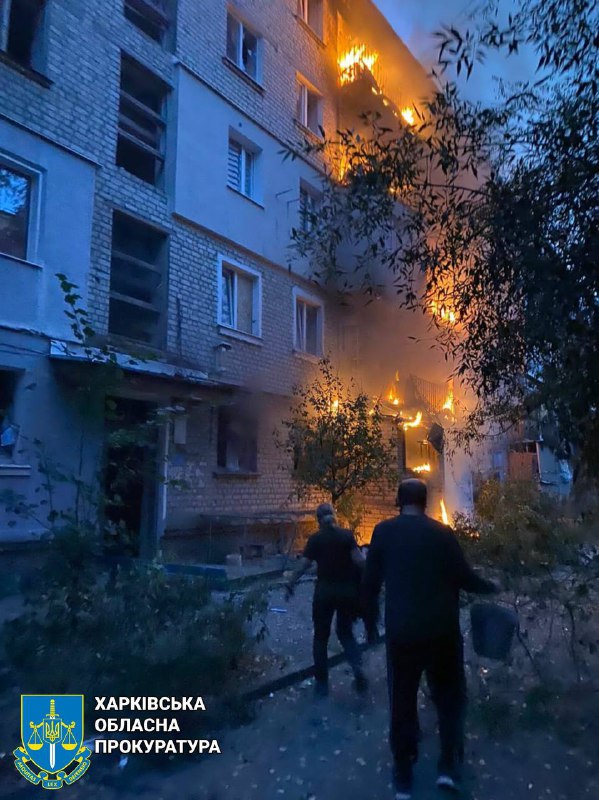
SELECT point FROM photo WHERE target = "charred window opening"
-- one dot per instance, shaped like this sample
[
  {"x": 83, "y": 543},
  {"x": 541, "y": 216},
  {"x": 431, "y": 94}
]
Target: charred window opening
[
  {"x": 22, "y": 31},
  {"x": 237, "y": 440},
  {"x": 140, "y": 148},
  {"x": 15, "y": 202},
  {"x": 8, "y": 430},
  {"x": 137, "y": 281},
  {"x": 150, "y": 16}
]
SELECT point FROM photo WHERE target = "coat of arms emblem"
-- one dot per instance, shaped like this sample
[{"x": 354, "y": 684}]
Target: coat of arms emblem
[{"x": 52, "y": 751}]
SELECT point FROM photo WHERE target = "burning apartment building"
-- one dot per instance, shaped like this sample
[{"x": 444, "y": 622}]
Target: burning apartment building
[{"x": 140, "y": 157}]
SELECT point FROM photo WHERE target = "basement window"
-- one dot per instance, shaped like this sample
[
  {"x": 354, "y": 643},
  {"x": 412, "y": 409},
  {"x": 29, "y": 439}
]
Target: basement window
[
  {"x": 22, "y": 31},
  {"x": 8, "y": 430},
  {"x": 137, "y": 281},
  {"x": 240, "y": 298},
  {"x": 140, "y": 148},
  {"x": 311, "y": 12},
  {"x": 237, "y": 440},
  {"x": 309, "y": 107},
  {"x": 308, "y": 324},
  {"x": 150, "y": 16},
  {"x": 243, "y": 47}
]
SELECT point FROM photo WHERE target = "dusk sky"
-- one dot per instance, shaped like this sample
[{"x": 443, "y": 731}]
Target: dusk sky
[{"x": 416, "y": 20}]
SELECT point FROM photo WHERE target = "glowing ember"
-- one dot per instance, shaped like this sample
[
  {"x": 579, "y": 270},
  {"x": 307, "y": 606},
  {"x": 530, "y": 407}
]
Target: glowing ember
[
  {"x": 334, "y": 406},
  {"x": 354, "y": 62},
  {"x": 408, "y": 116},
  {"x": 422, "y": 468},
  {"x": 414, "y": 423},
  {"x": 444, "y": 514}
]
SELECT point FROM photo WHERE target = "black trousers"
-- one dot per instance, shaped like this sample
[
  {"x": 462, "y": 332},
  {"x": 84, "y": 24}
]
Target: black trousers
[
  {"x": 331, "y": 599},
  {"x": 442, "y": 660}
]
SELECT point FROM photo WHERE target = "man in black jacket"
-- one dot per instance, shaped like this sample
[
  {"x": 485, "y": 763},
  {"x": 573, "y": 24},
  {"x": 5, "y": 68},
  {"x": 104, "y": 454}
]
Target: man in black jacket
[
  {"x": 339, "y": 562},
  {"x": 423, "y": 568}
]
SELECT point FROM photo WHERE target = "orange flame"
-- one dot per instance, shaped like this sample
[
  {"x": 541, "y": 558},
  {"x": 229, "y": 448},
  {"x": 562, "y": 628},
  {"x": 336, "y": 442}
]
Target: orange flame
[
  {"x": 444, "y": 514},
  {"x": 448, "y": 405},
  {"x": 355, "y": 61},
  {"x": 422, "y": 468},
  {"x": 414, "y": 423},
  {"x": 408, "y": 116},
  {"x": 441, "y": 310}
]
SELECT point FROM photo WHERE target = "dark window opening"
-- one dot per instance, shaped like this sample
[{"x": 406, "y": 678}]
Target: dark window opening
[
  {"x": 137, "y": 281},
  {"x": 150, "y": 16},
  {"x": 140, "y": 148},
  {"x": 15, "y": 199},
  {"x": 8, "y": 430},
  {"x": 237, "y": 440},
  {"x": 24, "y": 33}
]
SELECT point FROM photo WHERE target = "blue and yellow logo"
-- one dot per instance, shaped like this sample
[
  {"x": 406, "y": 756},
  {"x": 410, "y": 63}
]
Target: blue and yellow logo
[{"x": 52, "y": 752}]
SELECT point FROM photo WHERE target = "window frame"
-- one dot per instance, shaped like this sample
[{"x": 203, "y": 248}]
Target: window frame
[
  {"x": 160, "y": 10},
  {"x": 243, "y": 27},
  {"x": 35, "y": 176},
  {"x": 304, "y": 90},
  {"x": 10, "y": 460},
  {"x": 224, "y": 419},
  {"x": 158, "y": 118},
  {"x": 225, "y": 263},
  {"x": 306, "y": 299},
  {"x": 306, "y": 225},
  {"x": 159, "y": 308},
  {"x": 38, "y": 59},
  {"x": 306, "y": 15},
  {"x": 249, "y": 154}
]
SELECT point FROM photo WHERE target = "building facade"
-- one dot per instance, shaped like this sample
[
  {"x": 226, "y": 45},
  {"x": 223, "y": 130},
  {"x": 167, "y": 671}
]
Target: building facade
[{"x": 142, "y": 152}]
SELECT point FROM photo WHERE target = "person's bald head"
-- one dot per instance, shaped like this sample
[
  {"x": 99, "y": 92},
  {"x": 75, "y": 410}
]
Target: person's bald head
[{"x": 412, "y": 494}]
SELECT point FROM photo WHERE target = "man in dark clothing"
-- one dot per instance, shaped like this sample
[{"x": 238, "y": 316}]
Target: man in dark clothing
[
  {"x": 339, "y": 562},
  {"x": 423, "y": 568}
]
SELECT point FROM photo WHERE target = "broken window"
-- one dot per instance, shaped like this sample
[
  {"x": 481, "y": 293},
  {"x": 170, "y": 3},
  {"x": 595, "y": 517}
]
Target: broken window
[
  {"x": 237, "y": 440},
  {"x": 140, "y": 148},
  {"x": 22, "y": 31},
  {"x": 137, "y": 281},
  {"x": 8, "y": 430},
  {"x": 150, "y": 16},
  {"x": 243, "y": 47},
  {"x": 311, "y": 12},
  {"x": 15, "y": 200},
  {"x": 241, "y": 167},
  {"x": 308, "y": 326},
  {"x": 240, "y": 299},
  {"x": 309, "y": 104}
]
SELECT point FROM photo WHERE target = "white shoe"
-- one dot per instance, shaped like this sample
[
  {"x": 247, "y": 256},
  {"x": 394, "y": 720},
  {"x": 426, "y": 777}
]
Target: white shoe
[{"x": 445, "y": 781}]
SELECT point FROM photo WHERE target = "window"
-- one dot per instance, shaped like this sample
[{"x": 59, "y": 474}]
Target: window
[
  {"x": 243, "y": 47},
  {"x": 308, "y": 325},
  {"x": 140, "y": 148},
  {"x": 240, "y": 299},
  {"x": 137, "y": 281},
  {"x": 241, "y": 169},
  {"x": 311, "y": 12},
  {"x": 8, "y": 430},
  {"x": 309, "y": 107},
  {"x": 22, "y": 31},
  {"x": 15, "y": 204},
  {"x": 150, "y": 16},
  {"x": 308, "y": 206},
  {"x": 237, "y": 440}
]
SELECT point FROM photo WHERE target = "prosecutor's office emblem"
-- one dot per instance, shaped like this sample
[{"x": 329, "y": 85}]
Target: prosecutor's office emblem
[{"x": 52, "y": 751}]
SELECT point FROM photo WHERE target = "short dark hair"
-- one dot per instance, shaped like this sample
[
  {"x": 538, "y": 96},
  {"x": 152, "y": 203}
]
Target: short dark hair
[{"x": 412, "y": 492}]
